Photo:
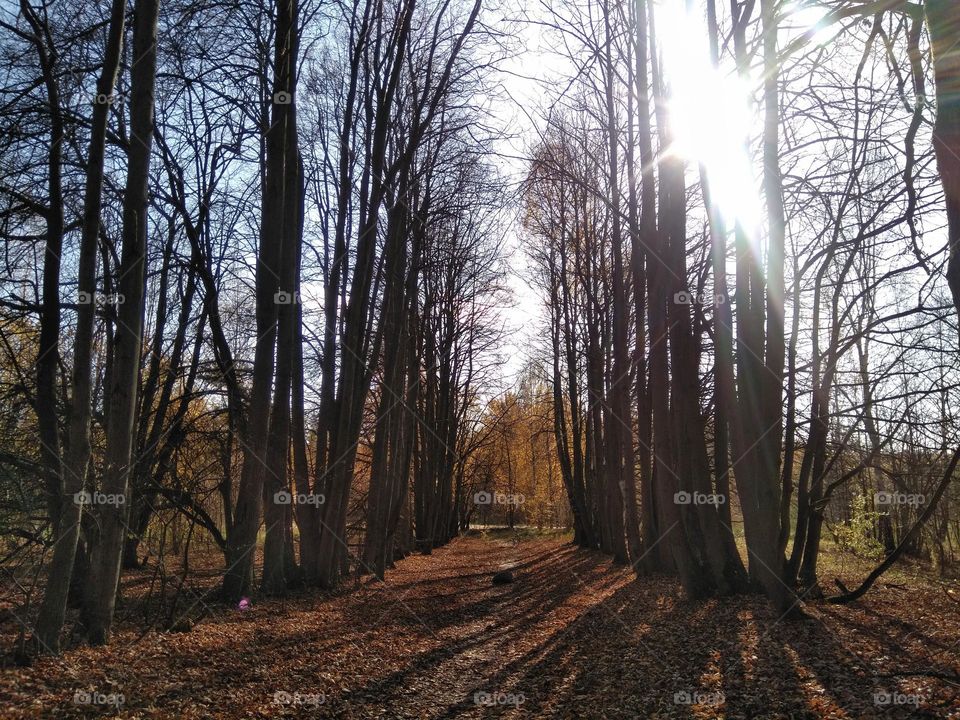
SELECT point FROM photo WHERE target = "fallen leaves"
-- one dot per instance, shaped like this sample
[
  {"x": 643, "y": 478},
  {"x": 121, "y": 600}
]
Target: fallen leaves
[{"x": 572, "y": 637}]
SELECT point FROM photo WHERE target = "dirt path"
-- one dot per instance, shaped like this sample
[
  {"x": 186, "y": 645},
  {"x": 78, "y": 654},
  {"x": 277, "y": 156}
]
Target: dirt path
[{"x": 572, "y": 638}]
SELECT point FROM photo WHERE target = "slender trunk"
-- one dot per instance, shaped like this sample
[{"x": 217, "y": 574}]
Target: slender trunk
[
  {"x": 278, "y": 515},
  {"x": 621, "y": 432},
  {"x": 761, "y": 381},
  {"x": 238, "y": 578},
  {"x": 643, "y": 267},
  {"x": 63, "y": 479},
  {"x": 356, "y": 348},
  {"x": 105, "y": 566},
  {"x": 392, "y": 391},
  {"x": 48, "y": 350},
  {"x": 943, "y": 22}
]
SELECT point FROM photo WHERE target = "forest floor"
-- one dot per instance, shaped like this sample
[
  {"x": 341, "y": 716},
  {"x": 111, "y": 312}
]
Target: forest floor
[{"x": 572, "y": 637}]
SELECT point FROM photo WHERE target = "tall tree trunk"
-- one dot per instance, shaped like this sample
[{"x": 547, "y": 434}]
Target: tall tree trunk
[
  {"x": 53, "y": 606},
  {"x": 356, "y": 348},
  {"x": 278, "y": 516},
  {"x": 943, "y": 22},
  {"x": 105, "y": 566},
  {"x": 760, "y": 357},
  {"x": 390, "y": 408},
  {"x": 642, "y": 264},
  {"x": 621, "y": 433},
  {"x": 241, "y": 544},
  {"x": 306, "y": 515},
  {"x": 48, "y": 350},
  {"x": 724, "y": 400}
]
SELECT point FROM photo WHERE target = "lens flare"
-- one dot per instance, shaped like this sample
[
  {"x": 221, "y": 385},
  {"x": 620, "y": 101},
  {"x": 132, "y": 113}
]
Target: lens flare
[{"x": 809, "y": 19}]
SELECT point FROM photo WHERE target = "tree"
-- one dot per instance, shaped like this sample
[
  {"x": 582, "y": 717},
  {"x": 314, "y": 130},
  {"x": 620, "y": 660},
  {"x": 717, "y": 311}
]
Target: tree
[{"x": 107, "y": 554}]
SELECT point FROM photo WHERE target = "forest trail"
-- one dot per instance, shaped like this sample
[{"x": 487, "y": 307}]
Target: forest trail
[{"x": 571, "y": 637}]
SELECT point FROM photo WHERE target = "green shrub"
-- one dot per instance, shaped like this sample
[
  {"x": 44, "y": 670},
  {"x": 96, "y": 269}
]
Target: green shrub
[{"x": 856, "y": 535}]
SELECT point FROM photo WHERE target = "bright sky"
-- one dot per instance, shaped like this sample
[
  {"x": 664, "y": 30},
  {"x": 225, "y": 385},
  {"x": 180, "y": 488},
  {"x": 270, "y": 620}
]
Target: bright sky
[{"x": 525, "y": 81}]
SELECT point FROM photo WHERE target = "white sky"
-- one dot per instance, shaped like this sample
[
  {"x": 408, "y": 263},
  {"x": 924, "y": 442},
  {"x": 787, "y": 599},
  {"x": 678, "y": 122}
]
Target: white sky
[{"x": 524, "y": 79}]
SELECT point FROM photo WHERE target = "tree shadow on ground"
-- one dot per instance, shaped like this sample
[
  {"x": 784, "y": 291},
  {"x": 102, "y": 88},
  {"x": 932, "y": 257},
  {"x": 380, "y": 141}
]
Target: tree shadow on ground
[
  {"x": 573, "y": 637},
  {"x": 639, "y": 651}
]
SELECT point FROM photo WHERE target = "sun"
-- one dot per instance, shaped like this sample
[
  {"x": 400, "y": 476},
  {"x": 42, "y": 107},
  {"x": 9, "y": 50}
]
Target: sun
[{"x": 711, "y": 115}]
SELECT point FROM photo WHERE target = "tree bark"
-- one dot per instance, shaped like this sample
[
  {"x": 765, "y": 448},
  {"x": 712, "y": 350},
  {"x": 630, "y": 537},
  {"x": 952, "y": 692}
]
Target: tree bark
[
  {"x": 105, "y": 566},
  {"x": 943, "y": 22},
  {"x": 238, "y": 578}
]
